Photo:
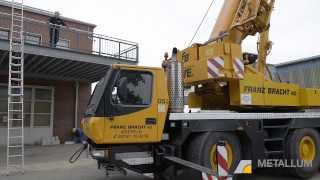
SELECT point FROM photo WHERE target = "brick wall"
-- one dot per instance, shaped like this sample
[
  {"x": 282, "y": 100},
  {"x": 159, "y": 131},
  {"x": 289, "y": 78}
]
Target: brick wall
[
  {"x": 64, "y": 104},
  {"x": 79, "y": 40}
]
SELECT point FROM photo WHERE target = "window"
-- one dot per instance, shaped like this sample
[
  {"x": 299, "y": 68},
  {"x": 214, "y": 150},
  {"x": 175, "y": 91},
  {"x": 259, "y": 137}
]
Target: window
[
  {"x": 63, "y": 44},
  {"x": 32, "y": 39},
  {"x": 133, "y": 88},
  {"x": 42, "y": 107},
  {"x": 4, "y": 34},
  {"x": 37, "y": 106}
]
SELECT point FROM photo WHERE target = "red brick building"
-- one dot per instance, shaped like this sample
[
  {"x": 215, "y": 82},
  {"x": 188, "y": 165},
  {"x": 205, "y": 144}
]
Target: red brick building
[{"x": 57, "y": 79}]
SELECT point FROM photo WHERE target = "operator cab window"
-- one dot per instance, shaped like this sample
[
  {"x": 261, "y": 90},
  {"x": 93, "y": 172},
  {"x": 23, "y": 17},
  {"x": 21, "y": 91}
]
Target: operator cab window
[{"x": 133, "y": 88}]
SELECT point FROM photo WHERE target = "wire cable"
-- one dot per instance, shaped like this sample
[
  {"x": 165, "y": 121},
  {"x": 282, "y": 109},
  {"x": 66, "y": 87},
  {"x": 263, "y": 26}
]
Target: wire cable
[
  {"x": 204, "y": 17},
  {"x": 75, "y": 156}
]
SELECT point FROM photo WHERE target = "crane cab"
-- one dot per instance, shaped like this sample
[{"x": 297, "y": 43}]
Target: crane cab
[{"x": 128, "y": 105}]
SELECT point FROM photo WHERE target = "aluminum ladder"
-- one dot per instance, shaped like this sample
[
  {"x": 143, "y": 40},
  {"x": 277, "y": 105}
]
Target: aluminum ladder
[{"x": 15, "y": 119}]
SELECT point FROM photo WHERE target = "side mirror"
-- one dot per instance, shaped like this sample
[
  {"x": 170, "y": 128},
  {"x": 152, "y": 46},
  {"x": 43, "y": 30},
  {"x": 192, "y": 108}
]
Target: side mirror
[{"x": 114, "y": 95}]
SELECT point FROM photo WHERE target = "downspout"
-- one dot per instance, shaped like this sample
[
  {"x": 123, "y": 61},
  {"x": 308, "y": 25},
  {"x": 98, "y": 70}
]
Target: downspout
[{"x": 76, "y": 106}]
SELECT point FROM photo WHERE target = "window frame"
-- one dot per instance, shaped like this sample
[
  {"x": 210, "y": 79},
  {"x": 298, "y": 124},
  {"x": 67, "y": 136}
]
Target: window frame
[
  {"x": 33, "y": 100},
  {"x": 131, "y": 105}
]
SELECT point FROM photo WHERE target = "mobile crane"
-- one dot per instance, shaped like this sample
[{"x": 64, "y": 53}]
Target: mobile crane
[{"x": 135, "y": 115}]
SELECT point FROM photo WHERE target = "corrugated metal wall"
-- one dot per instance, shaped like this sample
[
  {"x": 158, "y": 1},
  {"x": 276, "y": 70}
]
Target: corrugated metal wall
[{"x": 305, "y": 72}]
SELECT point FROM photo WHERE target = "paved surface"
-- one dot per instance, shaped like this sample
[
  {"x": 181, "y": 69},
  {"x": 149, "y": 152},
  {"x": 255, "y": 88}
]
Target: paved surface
[{"x": 50, "y": 163}]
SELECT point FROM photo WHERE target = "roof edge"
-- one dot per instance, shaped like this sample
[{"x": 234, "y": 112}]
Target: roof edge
[
  {"x": 45, "y": 13},
  {"x": 297, "y": 61}
]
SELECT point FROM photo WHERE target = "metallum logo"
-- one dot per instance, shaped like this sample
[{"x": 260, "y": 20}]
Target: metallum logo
[{"x": 283, "y": 163}]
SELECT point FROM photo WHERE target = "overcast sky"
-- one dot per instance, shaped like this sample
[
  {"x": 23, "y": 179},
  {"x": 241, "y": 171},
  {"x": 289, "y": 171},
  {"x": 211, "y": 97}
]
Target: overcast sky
[{"x": 159, "y": 25}]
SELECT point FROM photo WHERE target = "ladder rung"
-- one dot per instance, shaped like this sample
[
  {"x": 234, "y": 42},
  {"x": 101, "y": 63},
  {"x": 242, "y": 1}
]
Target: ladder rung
[
  {"x": 16, "y": 155},
  {"x": 17, "y": 19},
  {"x": 16, "y": 102},
  {"x": 16, "y": 79},
  {"x": 15, "y": 146},
  {"x": 15, "y": 64},
  {"x": 15, "y": 95},
  {"x": 15, "y": 87},
  {"x": 17, "y": 44},
  {"x": 16, "y": 57},
  {"x": 15, "y": 165},
  {"x": 15, "y": 137},
  {"x": 17, "y": 14},
  {"x": 17, "y": 26},
  {"x": 17, "y": 38},
  {"x": 17, "y": 31},
  {"x": 16, "y": 72},
  {"x": 15, "y": 119}
]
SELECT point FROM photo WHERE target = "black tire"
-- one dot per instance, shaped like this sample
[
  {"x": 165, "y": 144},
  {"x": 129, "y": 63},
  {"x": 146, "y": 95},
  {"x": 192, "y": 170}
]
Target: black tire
[
  {"x": 292, "y": 152},
  {"x": 201, "y": 144}
]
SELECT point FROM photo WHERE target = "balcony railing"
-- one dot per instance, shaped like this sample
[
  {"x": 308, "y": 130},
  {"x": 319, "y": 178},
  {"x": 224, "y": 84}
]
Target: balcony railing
[{"x": 72, "y": 38}]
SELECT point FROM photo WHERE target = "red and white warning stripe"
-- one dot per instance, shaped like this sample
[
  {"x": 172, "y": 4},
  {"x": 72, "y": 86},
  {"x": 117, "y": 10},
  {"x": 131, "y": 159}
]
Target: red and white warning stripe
[
  {"x": 208, "y": 177},
  {"x": 238, "y": 67},
  {"x": 222, "y": 159},
  {"x": 215, "y": 65}
]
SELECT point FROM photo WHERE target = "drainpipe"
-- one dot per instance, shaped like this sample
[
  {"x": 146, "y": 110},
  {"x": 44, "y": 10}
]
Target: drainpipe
[{"x": 76, "y": 106}]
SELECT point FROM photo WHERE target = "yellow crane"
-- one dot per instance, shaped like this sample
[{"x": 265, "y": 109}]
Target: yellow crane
[{"x": 135, "y": 116}]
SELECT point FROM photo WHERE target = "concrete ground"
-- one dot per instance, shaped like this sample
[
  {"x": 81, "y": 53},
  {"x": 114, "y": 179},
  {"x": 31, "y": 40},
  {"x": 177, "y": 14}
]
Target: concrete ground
[{"x": 51, "y": 163}]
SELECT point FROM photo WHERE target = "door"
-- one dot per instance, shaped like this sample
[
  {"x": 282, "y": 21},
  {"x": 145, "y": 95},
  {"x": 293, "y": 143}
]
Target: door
[{"x": 133, "y": 106}]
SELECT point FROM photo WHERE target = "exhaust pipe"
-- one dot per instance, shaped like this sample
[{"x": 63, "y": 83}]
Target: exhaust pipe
[{"x": 175, "y": 83}]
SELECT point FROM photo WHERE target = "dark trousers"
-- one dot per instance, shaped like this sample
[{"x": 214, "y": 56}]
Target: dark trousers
[{"x": 54, "y": 36}]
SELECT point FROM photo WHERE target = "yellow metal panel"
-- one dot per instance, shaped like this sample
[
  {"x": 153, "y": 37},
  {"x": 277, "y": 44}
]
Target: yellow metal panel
[
  {"x": 194, "y": 100},
  {"x": 254, "y": 90},
  {"x": 310, "y": 97},
  {"x": 281, "y": 94},
  {"x": 93, "y": 127},
  {"x": 132, "y": 127}
]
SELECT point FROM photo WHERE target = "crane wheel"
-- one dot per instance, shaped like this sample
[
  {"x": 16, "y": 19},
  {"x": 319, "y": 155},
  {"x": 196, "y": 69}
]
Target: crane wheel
[
  {"x": 302, "y": 148},
  {"x": 202, "y": 149}
]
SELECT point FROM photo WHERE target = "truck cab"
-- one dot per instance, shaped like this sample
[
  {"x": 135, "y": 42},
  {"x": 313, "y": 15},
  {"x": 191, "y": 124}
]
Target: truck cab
[{"x": 128, "y": 105}]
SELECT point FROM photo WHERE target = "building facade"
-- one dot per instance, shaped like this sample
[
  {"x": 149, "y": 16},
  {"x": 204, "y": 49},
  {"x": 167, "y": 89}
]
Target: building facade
[
  {"x": 304, "y": 72},
  {"x": 57, "y": 79}
]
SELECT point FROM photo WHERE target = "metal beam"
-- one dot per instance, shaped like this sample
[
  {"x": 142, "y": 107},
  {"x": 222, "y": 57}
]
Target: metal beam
[
  {"x": 89, "y": 68},
  {"x": 37, "y": 63},
  {"x": 49, "y": 62},
  {"x": 90, "y": 71},
  {"x": 30, "y": 61},
  {"x": 49, "y": 68},
  {"x": 78, "y": 69},
  {"x": 65, "y": 65},
  {"x": 63, "y": 70},
  {"x": 98, "y": 73},
  {"x": 48, "y": 77}
]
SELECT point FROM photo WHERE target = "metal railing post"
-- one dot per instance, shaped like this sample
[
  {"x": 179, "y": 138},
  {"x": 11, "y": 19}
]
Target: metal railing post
[
  {"x": 99, "y": 46},
  {"x": 137, "y": 53},
  {"x": 119, "y": 50}
]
